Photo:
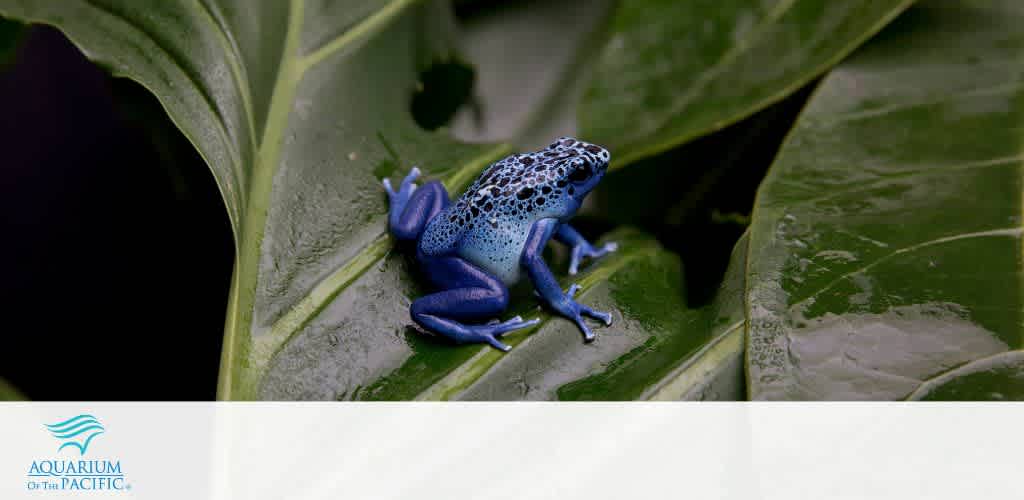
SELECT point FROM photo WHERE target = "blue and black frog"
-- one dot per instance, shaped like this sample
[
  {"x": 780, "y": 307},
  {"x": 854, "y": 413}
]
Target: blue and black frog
[{"x": 472, "y": 250}]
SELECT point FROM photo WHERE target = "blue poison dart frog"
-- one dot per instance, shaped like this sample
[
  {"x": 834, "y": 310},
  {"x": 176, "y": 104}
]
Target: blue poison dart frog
[{"x": 472, "y": 250}]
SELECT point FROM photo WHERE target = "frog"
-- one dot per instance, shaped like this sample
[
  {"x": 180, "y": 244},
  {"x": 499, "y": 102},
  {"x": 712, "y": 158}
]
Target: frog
[{"x": 474, "y": 249}]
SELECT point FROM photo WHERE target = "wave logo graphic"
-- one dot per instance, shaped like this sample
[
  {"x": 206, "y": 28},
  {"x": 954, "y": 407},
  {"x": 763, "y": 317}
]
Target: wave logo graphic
[{"x": 77, "y": 432}]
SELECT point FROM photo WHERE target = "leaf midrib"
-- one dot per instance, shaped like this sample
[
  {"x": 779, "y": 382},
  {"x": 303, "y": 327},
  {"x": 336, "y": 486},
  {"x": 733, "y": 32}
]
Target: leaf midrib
[
  {"x": 290, "y": 71},
  {"x": 681, "y": 380},
  {"x": 246, "y": 271}
]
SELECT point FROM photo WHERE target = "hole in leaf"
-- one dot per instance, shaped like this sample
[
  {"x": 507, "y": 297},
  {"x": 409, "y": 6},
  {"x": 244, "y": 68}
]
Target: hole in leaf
[{"x": 444, "y": 86}]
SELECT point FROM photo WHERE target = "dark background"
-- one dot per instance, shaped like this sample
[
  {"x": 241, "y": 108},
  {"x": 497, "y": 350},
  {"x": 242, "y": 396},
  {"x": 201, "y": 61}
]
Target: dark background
[
  {"x": 118, "y": 250},
  {"x": 116, "y": 246}
]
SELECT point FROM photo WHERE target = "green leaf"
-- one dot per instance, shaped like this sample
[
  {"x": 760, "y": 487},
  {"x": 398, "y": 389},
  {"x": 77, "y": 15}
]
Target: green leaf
[
  {"x": 675, "y": 70},
  {"x": 996, "y": 378},
  {"x": 300, "y": 108},
  {"x": 886, "y": 241}
]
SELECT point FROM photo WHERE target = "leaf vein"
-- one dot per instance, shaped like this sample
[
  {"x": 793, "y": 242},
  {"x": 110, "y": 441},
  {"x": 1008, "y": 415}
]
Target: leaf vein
[
  {"x": 237, "y": 63},
  {"x": 886, "y": 177},
  {"x": 189, "y": 73},
  {"x": 365, "y": 27},
  {"x": 1011, "y": 232}
]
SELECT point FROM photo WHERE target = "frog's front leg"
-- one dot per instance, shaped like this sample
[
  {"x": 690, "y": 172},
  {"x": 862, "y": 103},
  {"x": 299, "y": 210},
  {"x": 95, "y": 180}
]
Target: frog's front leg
[
  {"x": 546, "y": 284},
  {"x": 580, "y": 246},
  {"x": 411, "y": 208},
  {"x": 467, "y": 293}
]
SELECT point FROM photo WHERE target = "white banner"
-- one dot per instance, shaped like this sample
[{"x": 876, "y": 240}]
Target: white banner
[{"x": 510, "y": 450}]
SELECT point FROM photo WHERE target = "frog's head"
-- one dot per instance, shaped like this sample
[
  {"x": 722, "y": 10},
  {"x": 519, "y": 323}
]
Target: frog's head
[
  {"x": 581, "y": 165},
  {"x": 551, "y": 182}
]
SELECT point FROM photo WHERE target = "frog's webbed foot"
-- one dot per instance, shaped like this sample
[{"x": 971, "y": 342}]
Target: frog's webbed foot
[
  {"x": 575, "y": 311},
  {"x": 468, "y": 293},
  {"x": 476, "y": 334},
  {"x": 492, "y": 331},
  {"x": 584, "y": 249},
  {"x": 398, "y": 199}
]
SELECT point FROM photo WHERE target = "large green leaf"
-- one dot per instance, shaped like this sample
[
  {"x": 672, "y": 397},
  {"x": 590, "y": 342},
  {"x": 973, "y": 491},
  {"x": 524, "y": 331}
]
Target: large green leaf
[
  {"x": 301, "y": 107},
  {"x": 886, "y": 240},
  {"x": 674, "y": 70}
]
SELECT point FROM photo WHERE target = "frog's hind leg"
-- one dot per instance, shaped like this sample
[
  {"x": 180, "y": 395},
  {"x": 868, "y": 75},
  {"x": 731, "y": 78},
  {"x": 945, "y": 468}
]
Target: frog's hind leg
[
  {"x": 468, "y": 294},
  {"x": 411, "y": 207}
]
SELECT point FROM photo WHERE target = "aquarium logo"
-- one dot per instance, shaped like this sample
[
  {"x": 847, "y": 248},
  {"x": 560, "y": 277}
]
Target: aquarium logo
[
  {"x": 62, "y": 474},
  {"x": 77, "y": 432}
]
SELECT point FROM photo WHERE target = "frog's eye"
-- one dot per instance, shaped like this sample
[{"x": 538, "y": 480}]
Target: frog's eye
[{"x": 581, "y": 173}]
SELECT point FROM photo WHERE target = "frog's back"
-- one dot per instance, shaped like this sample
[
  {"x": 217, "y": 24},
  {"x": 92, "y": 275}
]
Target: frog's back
[
  {"x": 483, "y": 226},
  {"x": 492, "y": 242},
  {"x": 443, "y": 233},
  {"x": 488, "y": 225}
]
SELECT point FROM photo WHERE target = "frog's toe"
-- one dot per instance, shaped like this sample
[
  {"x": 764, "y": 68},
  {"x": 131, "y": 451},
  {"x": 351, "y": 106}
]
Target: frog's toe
[
  {"x": 605, "y": 249},
  {"x": 490, "y": 333},
  {"x": 588, "y": 336},
  {"x": 410, "y": 177},
  {"x": 513, "y": 324},
  {"x": 575, "y": 312},
  {"x": 398, "y": 198},
  {"x": 581, "y": 252},
  {"x": 574, "y": 264},
  {"x": 497, "y": 321},
  {"x": 497, "y": 344},
  {"x": 605, "y": 317}
]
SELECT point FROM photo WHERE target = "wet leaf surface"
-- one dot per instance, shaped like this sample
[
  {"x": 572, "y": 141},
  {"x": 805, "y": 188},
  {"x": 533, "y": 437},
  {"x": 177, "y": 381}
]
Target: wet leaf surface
[
  {"x": 996, "y": 378},
  {"x": 362, "y": 347},
  {"x": 301, "y": 108},
  {"x": 726, "y": 60},
  {"x": 886, "y": 240}
]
